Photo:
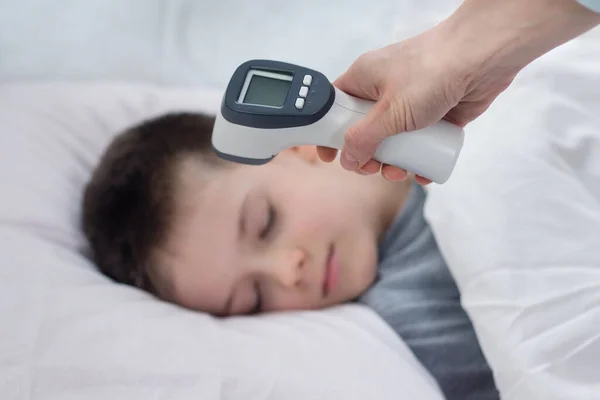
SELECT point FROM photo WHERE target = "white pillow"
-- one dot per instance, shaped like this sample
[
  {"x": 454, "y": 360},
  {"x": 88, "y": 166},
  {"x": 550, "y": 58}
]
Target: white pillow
[
  {"x": 70, "y": 333},
  {"x": 519, "y": 224},
  {"x": 189, "y": 42}
]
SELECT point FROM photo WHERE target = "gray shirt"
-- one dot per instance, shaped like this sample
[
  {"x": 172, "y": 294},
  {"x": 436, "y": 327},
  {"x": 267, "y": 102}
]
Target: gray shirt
[{"x": 417, "y": 296}]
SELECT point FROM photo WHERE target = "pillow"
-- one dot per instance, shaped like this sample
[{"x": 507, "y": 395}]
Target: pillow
[
  {"x": 519, "y": 224},
  {"x": 188, "y": 42},
  {"x": 70, "y": 333}
]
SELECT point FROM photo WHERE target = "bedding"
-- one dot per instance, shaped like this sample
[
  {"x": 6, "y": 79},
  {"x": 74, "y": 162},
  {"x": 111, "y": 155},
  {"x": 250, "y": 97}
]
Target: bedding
[
  {"x": 186, "y": 42},
  {"x": 519, "y": 225}
]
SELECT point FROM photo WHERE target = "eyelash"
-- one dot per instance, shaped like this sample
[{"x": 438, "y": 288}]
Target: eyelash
[{"x": 264, "y": 233}]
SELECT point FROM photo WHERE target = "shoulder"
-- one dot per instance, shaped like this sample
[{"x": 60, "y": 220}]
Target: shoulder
[{"x": 417, "y": 296}]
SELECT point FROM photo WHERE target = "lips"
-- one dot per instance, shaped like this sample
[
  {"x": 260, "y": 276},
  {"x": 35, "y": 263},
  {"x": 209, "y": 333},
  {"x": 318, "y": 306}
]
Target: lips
[{"x": 331, "y": 272}]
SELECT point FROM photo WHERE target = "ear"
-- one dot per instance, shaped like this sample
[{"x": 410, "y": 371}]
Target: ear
[{"x": 308, "y": 153}]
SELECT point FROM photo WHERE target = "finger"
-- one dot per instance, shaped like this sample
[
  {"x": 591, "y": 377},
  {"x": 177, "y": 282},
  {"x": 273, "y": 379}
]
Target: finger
[
  {"x": 422, "y": 181},
  {"x": 352, "y": 83},
  {"x": 326, "y": 154},
  {"x": 392, "y": 173},
  {"x": 371, "y": 167},
  {"x": 363, "y": 138},
  {"x": 363, "y": 78}
]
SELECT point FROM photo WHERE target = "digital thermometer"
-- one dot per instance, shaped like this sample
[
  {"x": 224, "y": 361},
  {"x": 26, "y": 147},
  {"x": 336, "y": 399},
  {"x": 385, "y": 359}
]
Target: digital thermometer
[{"x": 270, "y": 106}]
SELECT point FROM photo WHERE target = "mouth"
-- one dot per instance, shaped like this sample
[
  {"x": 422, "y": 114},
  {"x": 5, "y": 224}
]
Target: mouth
[{"x": 331, "y": 272}]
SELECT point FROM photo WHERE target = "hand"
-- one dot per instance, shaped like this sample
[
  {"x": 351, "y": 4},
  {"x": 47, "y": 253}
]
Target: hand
[
  {"x": 453, "y": 71},
  {"x": 413, "y": 88}
]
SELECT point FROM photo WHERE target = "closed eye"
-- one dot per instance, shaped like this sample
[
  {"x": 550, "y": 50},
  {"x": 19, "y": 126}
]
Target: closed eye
[{"x": 268, "y": 227}]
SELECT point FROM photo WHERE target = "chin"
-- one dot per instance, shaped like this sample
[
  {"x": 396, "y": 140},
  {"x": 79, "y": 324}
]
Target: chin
[
  {"x": 358, "y": 267},
  {"x": 364, "y": 278}
]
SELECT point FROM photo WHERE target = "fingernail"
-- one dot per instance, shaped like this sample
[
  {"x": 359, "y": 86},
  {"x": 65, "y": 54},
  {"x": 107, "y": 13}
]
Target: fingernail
[{"x": 349, "y": 162}]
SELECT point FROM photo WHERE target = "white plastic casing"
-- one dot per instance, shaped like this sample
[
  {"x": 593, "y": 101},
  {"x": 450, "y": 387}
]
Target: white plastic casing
[{"x": 431, "y": 152}]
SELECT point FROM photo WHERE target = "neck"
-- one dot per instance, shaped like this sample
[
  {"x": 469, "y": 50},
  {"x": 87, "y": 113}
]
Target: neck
[
  {"x": 394, "y": 195},
  {"x": 383, "y": 198}
]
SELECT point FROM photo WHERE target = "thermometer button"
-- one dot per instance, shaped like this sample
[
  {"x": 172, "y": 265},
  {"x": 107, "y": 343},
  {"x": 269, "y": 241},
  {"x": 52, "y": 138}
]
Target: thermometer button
[
  {"x": 299, "y": 103},
  {"x": 307, "y": 80},
  {"x": 303, "y": 91}
]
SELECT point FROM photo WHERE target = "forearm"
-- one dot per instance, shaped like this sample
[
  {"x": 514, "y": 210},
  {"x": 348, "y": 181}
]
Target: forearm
[{"x": 509, "y": 34}]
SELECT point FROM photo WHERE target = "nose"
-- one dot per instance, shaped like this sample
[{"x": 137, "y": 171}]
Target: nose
[{"x": 286, "y": 267}]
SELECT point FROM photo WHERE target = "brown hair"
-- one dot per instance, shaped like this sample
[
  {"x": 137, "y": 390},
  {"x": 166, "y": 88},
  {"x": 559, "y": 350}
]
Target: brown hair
[{"x": 128, "y": 204}]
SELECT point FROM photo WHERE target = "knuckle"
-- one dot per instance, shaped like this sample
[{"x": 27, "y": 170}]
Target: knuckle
[
  {"x": 367, "y": 57},
  {"x": 393, "y": 116}
]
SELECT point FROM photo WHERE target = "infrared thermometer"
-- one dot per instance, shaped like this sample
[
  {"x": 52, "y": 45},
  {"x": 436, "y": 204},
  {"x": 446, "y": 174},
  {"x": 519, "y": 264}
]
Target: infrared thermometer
[{"x": 270, "y": 106}]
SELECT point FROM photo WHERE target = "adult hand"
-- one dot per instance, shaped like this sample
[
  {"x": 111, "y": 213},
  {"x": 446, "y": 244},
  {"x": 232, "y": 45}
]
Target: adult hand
[
  {"x": 413, "y": 88},
  {"x": 453, "y": 71}
]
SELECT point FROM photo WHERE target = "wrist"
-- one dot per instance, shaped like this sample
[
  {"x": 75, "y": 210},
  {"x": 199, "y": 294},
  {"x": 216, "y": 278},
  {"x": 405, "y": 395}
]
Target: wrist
[{"x": 492, "y": 36}]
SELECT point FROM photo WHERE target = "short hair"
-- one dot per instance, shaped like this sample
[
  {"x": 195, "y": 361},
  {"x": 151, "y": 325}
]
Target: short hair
[{"x": 129, "y": 202}]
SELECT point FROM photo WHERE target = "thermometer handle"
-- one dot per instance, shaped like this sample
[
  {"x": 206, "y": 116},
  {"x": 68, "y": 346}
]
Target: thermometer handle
[{"x": 431, "y": 152}]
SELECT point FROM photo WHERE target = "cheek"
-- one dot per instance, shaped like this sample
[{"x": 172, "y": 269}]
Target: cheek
[
  {"x": 314, "y": 219},
  {"x": 326, "y": 211},
  {"x": 316, "y": 197},
  {"x": 319, "y": 209},
  {"x": 289, "y": 300}
]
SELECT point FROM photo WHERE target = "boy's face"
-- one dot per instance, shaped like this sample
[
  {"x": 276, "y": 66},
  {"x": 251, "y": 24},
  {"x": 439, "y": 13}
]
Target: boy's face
[{"x": 292, "y": 234}]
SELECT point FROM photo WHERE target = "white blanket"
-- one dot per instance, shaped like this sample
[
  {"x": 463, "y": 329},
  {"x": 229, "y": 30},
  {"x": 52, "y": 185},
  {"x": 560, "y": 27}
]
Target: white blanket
[{"x": 519, "y": 224}]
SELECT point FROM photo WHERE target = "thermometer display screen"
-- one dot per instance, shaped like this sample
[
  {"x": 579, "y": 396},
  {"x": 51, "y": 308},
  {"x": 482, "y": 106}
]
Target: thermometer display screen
[
  {"x": 267, "y": 94},
  {"x": 265, "y": 88}
]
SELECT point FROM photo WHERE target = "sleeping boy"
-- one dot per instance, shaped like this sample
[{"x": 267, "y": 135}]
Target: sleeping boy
[{"x": 163, "y": 213}]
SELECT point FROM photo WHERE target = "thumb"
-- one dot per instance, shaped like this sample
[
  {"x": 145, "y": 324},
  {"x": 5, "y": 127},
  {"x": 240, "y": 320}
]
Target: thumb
[
  {"x": 358, "y": 84},
  {"x": 363, "y": 138}
]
